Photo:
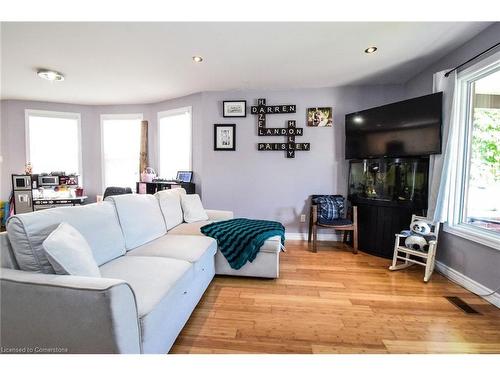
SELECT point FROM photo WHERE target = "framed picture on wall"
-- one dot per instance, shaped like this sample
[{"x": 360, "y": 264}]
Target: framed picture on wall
[
  {"x": 320, "y": 117},
  {"x": 224, "y": 137},
  {"x": 234, "y": 108}
]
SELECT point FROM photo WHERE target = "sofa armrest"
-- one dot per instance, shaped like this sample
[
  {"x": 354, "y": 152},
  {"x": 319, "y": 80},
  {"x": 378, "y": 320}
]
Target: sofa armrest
[
  {"x": 67, "y": 314},
  {"x": 219, "y": 215}
]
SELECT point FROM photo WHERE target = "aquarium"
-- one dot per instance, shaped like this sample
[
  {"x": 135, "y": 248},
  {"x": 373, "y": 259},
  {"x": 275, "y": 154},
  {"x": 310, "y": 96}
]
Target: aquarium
[{"x": 390, "y": 179}]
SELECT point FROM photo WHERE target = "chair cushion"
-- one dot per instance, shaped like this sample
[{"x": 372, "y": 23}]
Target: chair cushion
[
  {"x": 189, "y": 228},
  {"x": 193, "y": 208},
  {"x": 140, "y": 218},
  {"x": 330, "y": 207},
  {"x": 189, "y": 248},
  {"x": 334, "y": 222},
  {"x": 97, "y": 222},
  {"x": 69, "y": 253},
  {"x": 150, "y": 278},
  {"x": 170, "y": 205}
]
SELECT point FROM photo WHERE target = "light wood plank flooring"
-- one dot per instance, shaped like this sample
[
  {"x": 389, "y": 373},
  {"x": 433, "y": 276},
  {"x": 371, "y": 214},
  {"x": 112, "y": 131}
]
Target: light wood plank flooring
[{"x": 337, "y": 302}]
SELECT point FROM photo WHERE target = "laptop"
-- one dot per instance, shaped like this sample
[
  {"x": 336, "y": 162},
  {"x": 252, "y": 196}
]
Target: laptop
[{"x": 184, "y": 176}]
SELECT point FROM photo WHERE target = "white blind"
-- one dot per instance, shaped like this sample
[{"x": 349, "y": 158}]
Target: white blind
[
  {"x": 54, "y": 143},
  {"x": 121, "y": 148},
  {"x": 174, "y": 142}
]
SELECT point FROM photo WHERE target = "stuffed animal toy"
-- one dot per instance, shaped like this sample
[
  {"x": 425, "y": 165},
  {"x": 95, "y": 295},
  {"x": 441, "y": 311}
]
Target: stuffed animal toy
[{"x": 418, "y": 236}]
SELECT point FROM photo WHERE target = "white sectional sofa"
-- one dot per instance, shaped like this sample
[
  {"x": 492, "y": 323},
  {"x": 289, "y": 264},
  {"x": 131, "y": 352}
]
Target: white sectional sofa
[{"x": 154, "y": 269}]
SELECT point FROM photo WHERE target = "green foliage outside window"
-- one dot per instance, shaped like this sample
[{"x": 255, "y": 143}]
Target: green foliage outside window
[{"x": 485, "y": 153}]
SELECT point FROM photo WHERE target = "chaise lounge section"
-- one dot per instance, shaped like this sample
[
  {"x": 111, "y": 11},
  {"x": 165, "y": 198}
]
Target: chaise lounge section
[{"x": 154, "y": 269}]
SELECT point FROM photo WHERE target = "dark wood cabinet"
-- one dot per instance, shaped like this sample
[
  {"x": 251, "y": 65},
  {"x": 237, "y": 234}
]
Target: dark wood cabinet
[
  {"x": 379, "y": 221},
  {"x": 153, "y": 187},
  {"x": 387, "y": 191}
]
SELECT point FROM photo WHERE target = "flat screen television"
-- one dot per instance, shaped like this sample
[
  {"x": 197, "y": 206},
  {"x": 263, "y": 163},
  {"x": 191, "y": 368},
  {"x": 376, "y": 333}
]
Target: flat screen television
[{"x": 408, "y": 128}]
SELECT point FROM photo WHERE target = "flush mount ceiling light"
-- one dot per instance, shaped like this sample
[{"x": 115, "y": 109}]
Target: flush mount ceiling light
[
  {"x": 197, "y": 59},
  {"x": 50, "y": 75},
  {"x": 371, "y": 49}
]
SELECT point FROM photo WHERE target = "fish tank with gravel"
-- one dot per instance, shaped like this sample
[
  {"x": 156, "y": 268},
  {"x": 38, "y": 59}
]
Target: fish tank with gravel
[{"x": 398, "y": 180}]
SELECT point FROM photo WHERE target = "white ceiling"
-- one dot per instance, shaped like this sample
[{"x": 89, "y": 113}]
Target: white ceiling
[{"x": 120, "y": 63}]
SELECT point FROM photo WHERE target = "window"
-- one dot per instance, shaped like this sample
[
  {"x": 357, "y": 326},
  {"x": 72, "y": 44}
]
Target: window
[
  {"x": 477, "y": 199},
  {"x": 121, "y": 142},
  {"x": 174, "y": 141},
  {"x": 53, "y": 141}
]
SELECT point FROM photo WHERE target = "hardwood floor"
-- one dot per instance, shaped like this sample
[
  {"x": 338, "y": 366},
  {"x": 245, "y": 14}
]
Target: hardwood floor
[{"x": 336, "y": 302}]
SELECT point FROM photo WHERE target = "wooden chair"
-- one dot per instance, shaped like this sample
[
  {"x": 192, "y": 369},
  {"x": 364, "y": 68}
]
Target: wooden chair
[
  {"x": 349, "y": 224},
  {"x": 426, "y": 259}
]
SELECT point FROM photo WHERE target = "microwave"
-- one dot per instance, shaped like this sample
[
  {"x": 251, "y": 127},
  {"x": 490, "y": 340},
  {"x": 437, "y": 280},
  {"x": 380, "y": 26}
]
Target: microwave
[
  {"x": 48, "y": 180},
  {"x": 21, "y": 182}
]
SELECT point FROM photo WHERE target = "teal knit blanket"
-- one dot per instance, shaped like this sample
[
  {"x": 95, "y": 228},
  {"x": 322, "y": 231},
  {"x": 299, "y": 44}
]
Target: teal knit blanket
[{"x": 240, "y": 240}]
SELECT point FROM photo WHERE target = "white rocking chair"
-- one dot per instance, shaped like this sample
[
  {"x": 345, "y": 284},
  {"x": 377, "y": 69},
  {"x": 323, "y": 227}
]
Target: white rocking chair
[{"x": 427, "y": 259}]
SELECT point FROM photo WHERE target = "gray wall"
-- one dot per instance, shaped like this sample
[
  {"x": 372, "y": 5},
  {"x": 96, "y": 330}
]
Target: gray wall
[
  {"x": 421, "y": 84},
  {"x": 478, "y": 262},
  {"x": 251, "y": 183},
  {"x": 265, "y": 184},
  {"x": 14, "y": 140}
]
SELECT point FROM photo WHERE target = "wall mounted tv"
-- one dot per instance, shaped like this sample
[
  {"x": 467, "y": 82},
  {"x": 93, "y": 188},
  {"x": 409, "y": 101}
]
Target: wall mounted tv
[{"x": 408, "y": 128}]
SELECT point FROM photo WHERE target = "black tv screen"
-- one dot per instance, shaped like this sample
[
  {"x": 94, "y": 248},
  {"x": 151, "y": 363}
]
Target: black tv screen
[{"x": 408, "y": 128}]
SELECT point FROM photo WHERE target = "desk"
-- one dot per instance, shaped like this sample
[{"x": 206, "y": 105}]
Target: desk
[{"x": 153, "y": 187}]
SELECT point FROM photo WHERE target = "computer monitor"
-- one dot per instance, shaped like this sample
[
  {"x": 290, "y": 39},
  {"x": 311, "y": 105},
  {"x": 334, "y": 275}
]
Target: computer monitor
[{"x": 184, "y": 176}]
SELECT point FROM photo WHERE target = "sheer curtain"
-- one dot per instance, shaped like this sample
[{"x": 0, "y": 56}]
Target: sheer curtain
[{"x": 441, "y": 175}]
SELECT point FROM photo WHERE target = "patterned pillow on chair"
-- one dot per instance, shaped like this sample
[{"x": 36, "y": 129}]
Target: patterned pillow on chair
[{"x": 330, "y": 208}]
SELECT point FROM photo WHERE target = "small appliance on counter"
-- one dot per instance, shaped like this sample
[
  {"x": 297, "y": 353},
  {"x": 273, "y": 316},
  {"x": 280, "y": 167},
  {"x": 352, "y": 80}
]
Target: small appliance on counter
[
  {"x": 23, "y": 193},
  {"x": 42, "y": 191}
]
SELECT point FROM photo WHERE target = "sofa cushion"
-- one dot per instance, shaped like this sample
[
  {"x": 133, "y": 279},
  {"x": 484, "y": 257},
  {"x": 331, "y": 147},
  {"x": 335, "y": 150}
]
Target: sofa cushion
[
  {"x": 271, "y": 245},
  {"x": 7, "y": 258},
  {"x": 140, "y": 218},
  {"x": 170, "y": 204},
  {"x": 150, "y": 278},
  {"x": 192, "y": 208},
  {"x": 97, "y": 222},
  {"x": 69, "y": 253},
  {"x": 219, "y": 215},
  {"x": 189, "y": 228},
  {"x": 184, "y": 247}
]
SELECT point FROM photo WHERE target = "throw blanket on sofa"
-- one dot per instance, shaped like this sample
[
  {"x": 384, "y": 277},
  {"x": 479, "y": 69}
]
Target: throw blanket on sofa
[{"x": 240, "y": 240}]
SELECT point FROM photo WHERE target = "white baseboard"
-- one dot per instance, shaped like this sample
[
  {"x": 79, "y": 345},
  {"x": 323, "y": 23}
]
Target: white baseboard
[
  {"x": 468, "y": 283},
  {"x": 321, "y": 236}
]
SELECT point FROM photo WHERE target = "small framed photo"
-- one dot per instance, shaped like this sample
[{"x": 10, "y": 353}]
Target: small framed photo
[
  {"x": 234, "y": 108},
  {"x": 224, "y": 137},
  {"x": 320, "y": 116}
]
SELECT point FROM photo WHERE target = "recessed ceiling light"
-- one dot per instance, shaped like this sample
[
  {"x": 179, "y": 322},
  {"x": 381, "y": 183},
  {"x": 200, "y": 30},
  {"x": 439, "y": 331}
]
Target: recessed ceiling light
[
  {"x": 50, "y": 75},
  {"x": 197, "y": 59},
  {"x": 370, "y": 49}
]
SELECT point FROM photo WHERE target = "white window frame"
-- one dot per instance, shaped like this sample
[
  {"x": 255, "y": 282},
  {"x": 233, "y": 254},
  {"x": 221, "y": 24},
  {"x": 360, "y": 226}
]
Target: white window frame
[
  {"x": 54, "y": 114},
  {"x": 460, "y": 172},
  {"x": 113, "y": 116},
  {"x": 173, "y": 112}
]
